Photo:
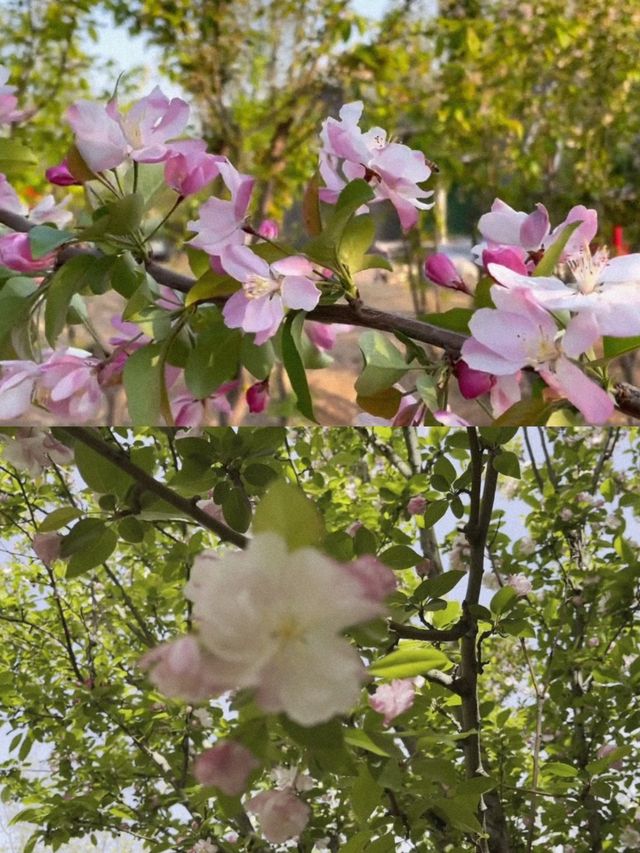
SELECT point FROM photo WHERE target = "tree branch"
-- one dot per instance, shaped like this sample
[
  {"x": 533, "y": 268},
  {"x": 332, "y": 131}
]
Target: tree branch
[{"x": 91, "y": 438}]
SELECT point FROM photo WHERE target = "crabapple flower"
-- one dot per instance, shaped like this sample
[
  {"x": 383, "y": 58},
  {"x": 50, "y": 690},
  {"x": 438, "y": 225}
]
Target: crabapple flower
[
  {"x": 417, "y": 505},
  {"x": 441, "y": 270},
  {"x": 508, "y": 256},
  {"x": 150, "y": 122},
  {"x": 274, "y": 619},
  {"x": 189, "y": 411},
  {"x": 520, "y": 333},
  {"x": 182, "y": 669},
  {"x": 376, "y": 580},
  {"x": 505, "y": 226},
  {"x": 227, "y": 766},
  {"x": 393, "y": 699},
  {"x": 48, "y": 210},
  {"x": 98, "y": 135},
  {"x": 520, "y": 584},
  {"x": 33, "y": 450},
  {"x": 267, "y": 291},
  {"x": 9, "y": 197},
  {"x": 61, "y": 176},
  {"x": 220, "y": 221},
  {"x": 257, "y": 396},
  {"x": 449, "y": 418},
  {"x": 17, "y": 386},
  {"x": 189, "y": 167},
  {"x": 323, "y": 335},
  {"x": 70, "y": 378},
  {"x": 15, "y": 253},
  {"x": 47, "y": 547},
  {"x": 607, "y": 288},
  {"x": 393, "y": 170},
  {"x": 282, "y": 815}
]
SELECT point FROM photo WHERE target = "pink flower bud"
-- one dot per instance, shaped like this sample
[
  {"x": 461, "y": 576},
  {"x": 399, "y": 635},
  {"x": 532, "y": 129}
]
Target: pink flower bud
[
  {"x": 47, "y": 546},
  {"x": 440, "y": 269},
  {"x": 472, "y": 383},
  {"x": 227, "y": 766},
  {"x": 393, "y": 699},
  {"x": 269, "y": 229},
  {"x": 417, "y": 505},
  {"x": 507, "y": 256},
  {"x": 258, "y": 396},
  {"x": 376, "y": 580},
  {"x": 61, "y": 176},
  {"x": 282, "y": 815}
]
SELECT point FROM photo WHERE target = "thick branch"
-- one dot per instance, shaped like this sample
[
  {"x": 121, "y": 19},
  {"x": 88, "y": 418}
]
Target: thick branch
[{"x": 92, "y": 439}]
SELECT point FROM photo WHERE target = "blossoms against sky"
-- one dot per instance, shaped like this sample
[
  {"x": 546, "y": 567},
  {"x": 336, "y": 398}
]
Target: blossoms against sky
[{"x": 272, "y": 621}]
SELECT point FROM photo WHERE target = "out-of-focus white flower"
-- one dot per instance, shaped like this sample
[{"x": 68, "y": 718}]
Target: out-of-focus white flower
[
  {"x": 281, "y": 813},
  {"x": 520, "y": 584}
]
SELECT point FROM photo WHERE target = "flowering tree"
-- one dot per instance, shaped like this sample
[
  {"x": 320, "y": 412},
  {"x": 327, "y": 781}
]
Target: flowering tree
[
  {"x": 337, "y": 640},
  {"x": 256, "y": 301}
]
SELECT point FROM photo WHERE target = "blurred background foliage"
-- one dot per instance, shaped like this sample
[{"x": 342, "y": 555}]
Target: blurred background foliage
[{"x": 531, "y": 102}]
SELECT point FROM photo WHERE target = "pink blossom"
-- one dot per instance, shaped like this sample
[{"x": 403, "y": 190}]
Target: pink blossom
[
  {"x": 258, "y": 396},
  {"x": 189, "y": 168},
  {"x": 220, "y": 221},
  {"x": 189, "y": 411},
  {"x": 227, "y": 766},
  {"x": 15, "y": 253},
  {"x": 269, "y": 229},
  {"x": 182, "y": 669},
  {"x": 520, "y": 584},
  {"x": 70, "y": 377},
  {"x": 508, "y": 256},
  {"x": 17, "y": 386},
  {"x": 281, "y": 813},
  {"x": 417, "y": 505},
  {"x": 605, "y": 288},
  {"x": 393, "y": 170},
  {"x": 33, "y": 450},
  {"x": 9, "y": 198},
  {"x": 393, "y": 699},
  {"x": 47, "y": 546},
  {"x": 505, "y": 226},
  {"x": 211, "y": 508},
  {"x": 98, "y": 135},
  {"x": 61, "y": 176},
  {"x": 8, "y": 101},
  {"x": 520, "y": 333},
  {"x": 449, "y": 418},
  {"x": 324, "y": 335},
  {"x": 267, "y": 291},
  {"x": 376, "y": 580},
  {"x": 48, "y": 210},
  {"x": 579, "y": 241},
  {"x": 441, "y": 270},
  {"x": 151, "y": 122},
  {"x": 472, "y": 383}
]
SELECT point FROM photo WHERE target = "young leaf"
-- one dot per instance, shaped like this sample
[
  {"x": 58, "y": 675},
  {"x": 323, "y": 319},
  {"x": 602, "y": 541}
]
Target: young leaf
[
  {"x": 408, "y": 661},
  {"x": 44, "y": 239},
  {"x": 286, "y": 510},
  {"x": 294, "y": 366}
]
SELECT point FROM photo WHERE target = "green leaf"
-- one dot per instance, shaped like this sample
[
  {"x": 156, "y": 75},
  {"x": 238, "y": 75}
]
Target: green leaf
[
  {"x": 73, "y": 277},
  {"x": 497, "y": 435},
  {"x": 45, "y": 238},
  {"x": 311, "y": 207},
  {"x": 98, "y": 473},
  {"x": 237, "y": 509},
  {"x": 507, "y": 463},
  {"x": 286, "y": 510},
  {"x": 15, "y": 303},
  {"x": 143, "y": 380},
  {"x": 81, "y": 536},
  {"x": 438, "y": 586},
  {"x": 477, "y": 785},
  {"x": 214, "y": 359},
  {"x": 384, "y": 404},
  {"x": 366, "y": 794},
  {"x": 361, "y": 740},
  {"x": 532, "y": 412},
  {"x": 503, "y": 599},
  {"x": 408, "y": 661},
  {"x": 613, "y": 347},
  {"x": 456, "y": 319},
  {"x": 400, "y": 557},
  {"x": 356, "y": 239},
  {"x": 98, "y": 552},
  {"x": 122, "y": 216},
  {"x": 58, "y": 518},
  {"x": 434, "y": 512},
  {"x": 558, "y": 768},
  {"x": 293, "y": 365},
  {"x": 259, "y": 361},
  {"x": 384, "y": 364},
  {"x": 458, "y": 812},
  {"x": 551, "y": 257}
]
